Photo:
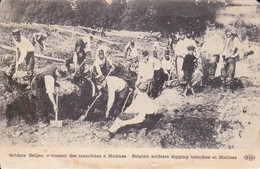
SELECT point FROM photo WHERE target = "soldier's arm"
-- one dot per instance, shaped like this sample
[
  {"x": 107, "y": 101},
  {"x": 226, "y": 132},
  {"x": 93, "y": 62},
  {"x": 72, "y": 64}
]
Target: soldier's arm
[
  {"x": 111, "y": 98},
  {"x": 75, "y": 60},
  {"x": 120, "y": 123},
  {"x": 50, "y": 90},
  {"x": 97, "y": 67},
  {"x": 137, "y": 119},
  {"x": 22, "y": 56},
  {"x": 237, "y": 49}
]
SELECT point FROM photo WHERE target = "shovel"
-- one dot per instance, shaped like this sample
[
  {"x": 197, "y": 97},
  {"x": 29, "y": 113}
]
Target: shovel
[
  {"x": 131, "y": 90},
  {"x": 85, "y": 115},
  {"x": 79, "y": 67},
  {"x": 56, "y": 122}
]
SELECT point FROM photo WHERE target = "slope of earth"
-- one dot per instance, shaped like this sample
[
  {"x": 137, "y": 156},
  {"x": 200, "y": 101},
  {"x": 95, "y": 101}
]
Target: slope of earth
[{"x": 212, "y": 118}]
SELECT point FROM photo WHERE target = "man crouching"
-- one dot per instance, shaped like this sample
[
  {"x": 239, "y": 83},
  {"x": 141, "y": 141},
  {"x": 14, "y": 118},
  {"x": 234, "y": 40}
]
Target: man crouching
[
  {"x": 117, "y": 90},
  {"x": 136, "y": 113},
  {"x": 43, "y": 89}
]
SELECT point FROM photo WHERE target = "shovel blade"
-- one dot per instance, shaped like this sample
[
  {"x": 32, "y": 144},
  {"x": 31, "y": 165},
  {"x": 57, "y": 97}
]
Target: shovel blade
[{"x": 81, "y": 118}]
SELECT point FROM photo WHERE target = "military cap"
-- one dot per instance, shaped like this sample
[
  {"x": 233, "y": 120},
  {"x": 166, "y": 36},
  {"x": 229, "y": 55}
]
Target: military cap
[
  {"x": 16, "y": 31},
  {"x": 191, "y": 47}
]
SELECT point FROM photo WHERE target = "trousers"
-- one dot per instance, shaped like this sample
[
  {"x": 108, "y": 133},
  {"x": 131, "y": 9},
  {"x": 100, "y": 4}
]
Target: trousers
[
  {"x": 228, "y": 71},
  {"x": 29, "y": 64}
]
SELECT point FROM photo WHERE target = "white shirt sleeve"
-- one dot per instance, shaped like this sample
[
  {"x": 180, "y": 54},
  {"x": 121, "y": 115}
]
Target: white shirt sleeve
[
  {"x": 49, "y": 84},
  {"x": 24, "y": 47},
  {"x": 111, "y": 98},
  {"x": 97, "y": 66},
  {"x": 177, "y": 49},
  {"x": 75, "y": 60},
  {"x": 237, "y": 47}
]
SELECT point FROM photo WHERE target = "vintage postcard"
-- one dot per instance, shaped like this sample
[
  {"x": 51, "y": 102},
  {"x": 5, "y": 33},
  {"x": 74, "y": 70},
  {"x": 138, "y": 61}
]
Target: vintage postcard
[{"x": 129, "y": 84}]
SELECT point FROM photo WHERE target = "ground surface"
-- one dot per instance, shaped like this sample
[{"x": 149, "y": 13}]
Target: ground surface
[{"x": 211, "y": 118}]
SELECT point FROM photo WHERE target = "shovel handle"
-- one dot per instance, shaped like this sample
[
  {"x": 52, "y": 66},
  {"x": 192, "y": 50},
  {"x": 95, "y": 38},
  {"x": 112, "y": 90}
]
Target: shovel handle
[
  {"x": 109, "y": 72},
  {"x": 85, "y": 115},
  {"x": 57, "y": 103},
  {"x": 79, "y": 67},
  {"x": 131, "y": 91}
]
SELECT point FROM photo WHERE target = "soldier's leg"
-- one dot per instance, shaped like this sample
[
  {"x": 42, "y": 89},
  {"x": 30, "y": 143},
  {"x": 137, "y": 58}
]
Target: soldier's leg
[
  {"x": 122, "y": 98},
  {"x": 231, "y": 69},
  {"x": 213, "y": 68},
  {"x": 120, "y": 123},
  {"x": 204, "y": 64},
  {"x": 30, "y": 62},
  {"x": 179, "y": 64},
  {"x": 224, "y": 73},
  {"x": 185, "y": 88}
]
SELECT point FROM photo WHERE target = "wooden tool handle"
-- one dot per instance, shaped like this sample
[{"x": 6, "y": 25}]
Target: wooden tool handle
[{"x": 57, "y": 103}]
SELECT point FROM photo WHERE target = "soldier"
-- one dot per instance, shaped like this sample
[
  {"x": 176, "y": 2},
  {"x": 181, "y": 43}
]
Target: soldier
[
  {"x": 230, "y": 55},
  {"x": 102, "y": 65},
  {"x": 24, "y": 53},
  {"x": 159, "y": 76},
  {"x": 137, "y": 111},
  {"x": 40, "y": 38},
  {"x": 181, "y": 51},
  {"x": 156, "y": 47},
  {"x": 131, "y": 55},
  {"x": 167, "y": 65},
  {"x": 117, "y": 91},
  {"x": 210, "y": 53},
  {"x": 43, "y": 89},
  {"x": 78, "y": 59},
  {"x": 130, "y": 50},
  {"x": 145, "y": 74},
  {"x": 170, "y": 41},
  {"x": 188, "y": 68}
]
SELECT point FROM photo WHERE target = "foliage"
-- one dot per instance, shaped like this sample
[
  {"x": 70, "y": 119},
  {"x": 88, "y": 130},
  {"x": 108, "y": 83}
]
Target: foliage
[{"x": 138, "y": 15}]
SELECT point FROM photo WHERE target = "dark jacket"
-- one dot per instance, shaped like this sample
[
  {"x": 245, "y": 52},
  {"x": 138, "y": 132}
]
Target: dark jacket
[{"x": 189, "y": 63}]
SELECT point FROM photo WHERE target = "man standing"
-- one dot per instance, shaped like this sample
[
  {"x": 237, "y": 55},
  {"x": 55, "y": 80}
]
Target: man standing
[
  {"x": 24, "y": 53},
  {"x": 188, "y": 68},
  {"x": 181, "y": 51},
  {"x": 170, "y": 41},
  {"x": 167, "y": 64},
  {"x": 131, "y": 54},
  {"x": 78, "y": 57},
  {"x": 159, "y": 76},
  {"x": 210, "y": 52},
  {"x": 117, "y": 91},
  {"x": 230, "y": 55},
  {"x": 156, "y": 48}
]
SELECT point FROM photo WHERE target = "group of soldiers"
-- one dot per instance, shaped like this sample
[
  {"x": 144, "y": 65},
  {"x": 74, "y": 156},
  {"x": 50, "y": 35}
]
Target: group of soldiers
[
  {"x": 215, "y": 56},
  {"x": 186, "y": 63}
]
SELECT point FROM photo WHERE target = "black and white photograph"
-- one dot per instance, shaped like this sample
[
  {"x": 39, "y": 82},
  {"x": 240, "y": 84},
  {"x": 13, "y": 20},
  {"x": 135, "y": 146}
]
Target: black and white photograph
[{"x": 153, "y": 74}]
